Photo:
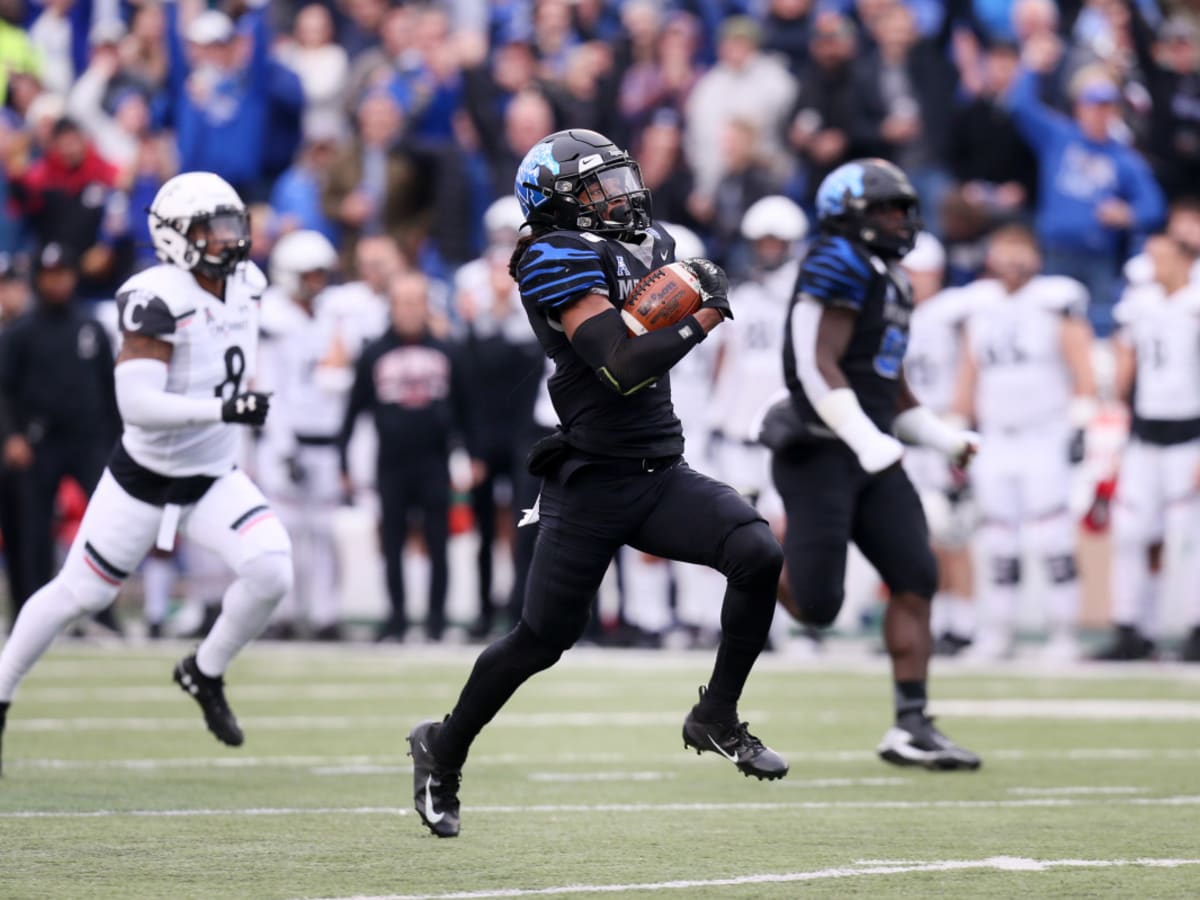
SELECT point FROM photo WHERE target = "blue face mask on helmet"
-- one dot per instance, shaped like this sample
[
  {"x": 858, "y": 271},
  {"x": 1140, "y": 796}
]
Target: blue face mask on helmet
[
  {"x": 856, "y": 201},
  {"x": 582, "y": 181}
]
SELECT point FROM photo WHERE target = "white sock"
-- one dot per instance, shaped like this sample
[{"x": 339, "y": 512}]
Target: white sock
[
  {"x": 158, "y": 580},
  {"x": 44, "y": 617},
  {"x": 939, "y": 614},
  {"x": 1062, "y": 602},
  {"x": 960, "y": 614},
  {"x": 1146, "y": 619},
  {"x": 1131, "y": 584}
]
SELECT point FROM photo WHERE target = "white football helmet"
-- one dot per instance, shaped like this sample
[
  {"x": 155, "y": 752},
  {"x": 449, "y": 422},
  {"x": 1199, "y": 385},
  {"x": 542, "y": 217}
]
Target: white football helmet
[
  {"x": 774, "y": 216},
  {"x": 297, "y": 253},
  {"x": 199, "y": 198},
  {"x": 687, "y": 244},
  {"x": 504, "y": 215}
]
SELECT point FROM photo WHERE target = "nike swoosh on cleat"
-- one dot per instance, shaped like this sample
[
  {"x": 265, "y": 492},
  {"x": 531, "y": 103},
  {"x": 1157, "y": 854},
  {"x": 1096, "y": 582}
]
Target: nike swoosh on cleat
[
  {"x": 431, "y": 814},
  {"x": 721, "y": 750}
]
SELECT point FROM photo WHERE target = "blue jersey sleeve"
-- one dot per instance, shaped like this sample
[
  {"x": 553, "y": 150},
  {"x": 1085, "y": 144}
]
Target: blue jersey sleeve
[
  {"x": 558, "y": 269},
  {"x": 836, "y": 274}
]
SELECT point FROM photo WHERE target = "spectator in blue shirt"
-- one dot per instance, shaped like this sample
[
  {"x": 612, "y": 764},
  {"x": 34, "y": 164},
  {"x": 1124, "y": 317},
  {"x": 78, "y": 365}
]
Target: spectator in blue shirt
[
  {"x": 296, "y": 196},
  {"x": 1097, "y": 198}
]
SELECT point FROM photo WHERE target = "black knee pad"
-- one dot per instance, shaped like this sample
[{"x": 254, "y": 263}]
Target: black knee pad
[
  {"x": 1062, "y": 568},
  {"x": 542, "y": 652},
  {"x": 818, "y": 586},
  {"x": 752, "y": 556},
  {"x": 1006, "y": 570}
]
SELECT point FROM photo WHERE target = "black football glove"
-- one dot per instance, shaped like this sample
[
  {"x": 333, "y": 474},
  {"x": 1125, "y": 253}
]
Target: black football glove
[
  {"x": 714, "y": 285},
  {"x": 249, "y": 408},
  {"x": 296, "y": 472},
  {"x": 1077, "y": 448}
]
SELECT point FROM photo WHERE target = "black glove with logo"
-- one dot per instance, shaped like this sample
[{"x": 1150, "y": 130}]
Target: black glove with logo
[
  {"x": 714, "y": 285},
  {"x": 249, "y": 408}
]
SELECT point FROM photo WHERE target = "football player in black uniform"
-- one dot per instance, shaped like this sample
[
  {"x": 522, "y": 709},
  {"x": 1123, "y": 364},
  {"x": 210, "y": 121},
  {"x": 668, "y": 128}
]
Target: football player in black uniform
[
  {"x": 613, "y": 473},
  {"x": 837, "y": 464}
]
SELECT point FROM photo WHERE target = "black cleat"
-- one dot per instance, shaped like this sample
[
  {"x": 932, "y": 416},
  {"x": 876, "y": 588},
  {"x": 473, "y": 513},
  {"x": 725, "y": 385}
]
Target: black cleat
[
  {"x": 950, "y": 644},
  {"x": 1127, "y": 645},
  {"x": 210, "y": 694},
  {"x": 3, "y": 716},
  {"x": 733, "y": 741},
  {"x": 914, "y": 741},
  {"x": 435, "y": 789}
]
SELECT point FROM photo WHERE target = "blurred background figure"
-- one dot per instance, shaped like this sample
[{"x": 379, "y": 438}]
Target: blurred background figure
[
  {"x": 1027, "y": 383},
  {"x": 411, "y": 383},
  {"x": 931, "y": 368},
  {"x": 1158, "y": 368},
  {"x": 306, "y": 363},
  {"x": 502, "y": 366}
]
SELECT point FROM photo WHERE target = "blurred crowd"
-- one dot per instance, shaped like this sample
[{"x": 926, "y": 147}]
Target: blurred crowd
[{"x": 381, "y": 138}]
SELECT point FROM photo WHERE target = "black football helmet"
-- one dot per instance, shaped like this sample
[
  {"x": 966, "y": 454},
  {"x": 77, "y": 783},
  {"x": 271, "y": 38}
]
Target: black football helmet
[
  {"x": 852, "y": 196},
  {"x": 580, "y": 180}
]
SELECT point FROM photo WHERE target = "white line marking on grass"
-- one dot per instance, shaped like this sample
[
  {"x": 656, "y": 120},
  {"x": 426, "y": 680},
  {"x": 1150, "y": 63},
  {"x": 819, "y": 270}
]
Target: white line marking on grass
[
  {"x": 328, "y": 723},
  {"x": 570, "y": 777},
  {"x": 396, "y": 762},
  {"x": 1156, "y": 710},
  {"x": 995, "y": 863},
  {"x": 271, "y": 692},
  {"x": 1080, "y": 790},
  {"x": 843, "y": 782},
  {"x": 653, "y": 808}
]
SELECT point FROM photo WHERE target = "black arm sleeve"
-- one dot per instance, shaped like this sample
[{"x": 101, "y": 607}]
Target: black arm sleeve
[
  {"x": 627, "y": 364},
  {"x": 362, "y": 396}
]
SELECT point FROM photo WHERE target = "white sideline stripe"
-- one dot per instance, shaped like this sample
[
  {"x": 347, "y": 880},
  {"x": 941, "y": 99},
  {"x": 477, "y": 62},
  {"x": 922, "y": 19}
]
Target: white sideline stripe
[
  {"x": 843, "y": 782},
  {"x": 505, "y": 759},
  {"x": 571, "y": 777},
  {"x": 1079, "y": 790},
  {"x": 149, "y": 693},
  {"x": 306, "y": 723},
  {"x": 995, "y": 863},
  {"x": 558, "y": 808},
  {"x": 1156, "y": 710}
]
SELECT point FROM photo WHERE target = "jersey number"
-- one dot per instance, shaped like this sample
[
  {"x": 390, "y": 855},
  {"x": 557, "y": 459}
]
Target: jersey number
[
  {"x": 890, "y": 357},
  {"x": 235, "y": 367}
]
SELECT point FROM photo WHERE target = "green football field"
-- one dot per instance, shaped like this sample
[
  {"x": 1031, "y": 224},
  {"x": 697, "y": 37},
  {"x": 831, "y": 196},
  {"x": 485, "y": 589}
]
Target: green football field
[{"x": 112, "y": 788}]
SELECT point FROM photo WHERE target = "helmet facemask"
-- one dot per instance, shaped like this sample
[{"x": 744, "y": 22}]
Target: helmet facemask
[
  {"x": 613, "y": 199},
  {"x": 880, "y": 230},
  {"x": 226, "y": 227}
]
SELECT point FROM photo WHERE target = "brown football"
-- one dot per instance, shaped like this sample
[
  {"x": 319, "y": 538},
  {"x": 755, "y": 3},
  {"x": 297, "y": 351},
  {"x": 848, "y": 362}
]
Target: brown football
[{"x": 664, "y": 297}]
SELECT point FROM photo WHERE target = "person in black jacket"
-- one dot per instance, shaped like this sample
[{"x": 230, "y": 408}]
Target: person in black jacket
[
  {"x": 56, "y": 381},
  {"x": 14, "y": 299},
  {"x": 412, "y": 385}
]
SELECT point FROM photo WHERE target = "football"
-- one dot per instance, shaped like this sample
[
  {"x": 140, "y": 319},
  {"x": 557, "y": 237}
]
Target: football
[{"x": 664, "y": 297}]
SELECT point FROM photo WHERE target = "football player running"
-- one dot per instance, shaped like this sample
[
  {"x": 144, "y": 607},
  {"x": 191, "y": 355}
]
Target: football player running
[
  {"x": 613, "y": 473},
  {"x": 839, "y": 469},
  {"x": 190, "y": 331}
]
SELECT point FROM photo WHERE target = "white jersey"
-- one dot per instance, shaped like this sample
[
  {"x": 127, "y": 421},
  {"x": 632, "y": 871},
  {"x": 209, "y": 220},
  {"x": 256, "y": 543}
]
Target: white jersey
[
  {"x": 362, "y": 315},
  {"x": 1165, "y": 335},
  {"x": 307, "y": 363},
  {"x": 1016, "y": 342},
  {"x": 934, "y": 344},
  {"x": 214, "y": 354},
  {"x": 752, "y": 351}
]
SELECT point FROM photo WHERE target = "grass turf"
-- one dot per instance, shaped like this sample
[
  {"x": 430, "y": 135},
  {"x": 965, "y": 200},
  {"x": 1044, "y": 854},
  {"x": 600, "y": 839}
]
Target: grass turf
[{"x": 112, "y": 787}]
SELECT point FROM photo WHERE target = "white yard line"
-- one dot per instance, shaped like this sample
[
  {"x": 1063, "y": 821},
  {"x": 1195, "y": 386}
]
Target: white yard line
[
  {"x": 995, "y": 863},
  {"x": 1102, "y": 710},
  {"x": 1082, "y": 790},
  {"x": 396, "y": 762},
  {"x": 589, "y": 808},
  {"x": 573, "y": 777}
]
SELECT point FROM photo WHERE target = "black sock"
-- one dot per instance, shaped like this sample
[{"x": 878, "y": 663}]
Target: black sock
[
  {"x": 910, "y": 699},
  {"x": 500, "y": 670},
  {"x": 735, "y": 658}
]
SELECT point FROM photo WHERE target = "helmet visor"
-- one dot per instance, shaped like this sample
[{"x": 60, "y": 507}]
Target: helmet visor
[
  {"x": 608, "y": 184},
  {"x": 223, "y": 227}
]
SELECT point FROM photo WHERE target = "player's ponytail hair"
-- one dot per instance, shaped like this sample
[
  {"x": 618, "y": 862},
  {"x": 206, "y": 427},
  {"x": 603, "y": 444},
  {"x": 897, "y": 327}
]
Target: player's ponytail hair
[{"x": 523, "y": 242}]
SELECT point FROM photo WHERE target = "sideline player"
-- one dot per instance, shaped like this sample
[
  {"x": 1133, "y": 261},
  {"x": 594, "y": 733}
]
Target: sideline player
[
  {"x": 613, "y": 473},
  {"x": 840, "y": 475},
  {"x": 1027, "y": 382},
  {"x": 190, "y": 335},
  {"x": 1158, "y": 490}
]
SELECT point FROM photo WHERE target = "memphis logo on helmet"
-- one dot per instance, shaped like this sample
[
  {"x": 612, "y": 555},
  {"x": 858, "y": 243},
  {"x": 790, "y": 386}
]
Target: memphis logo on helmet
[
  {"x": 844, "y": 182},
  {"x": 527, "y": 176}
]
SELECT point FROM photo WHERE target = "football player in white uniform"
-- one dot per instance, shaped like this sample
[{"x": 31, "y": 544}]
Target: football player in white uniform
[
  {"x": 190, "y": 335},
  {"x": 306, "y": 364},
  {"x": 1027, "y": 381},
  {"x": 931, "y": 366},
  {"x": 1158, "y": 369}
]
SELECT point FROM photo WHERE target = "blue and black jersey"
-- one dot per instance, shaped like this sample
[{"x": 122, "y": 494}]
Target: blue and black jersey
[
  {"x": 561, "y": 267},
  {"x": 838, "y": 272}
]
